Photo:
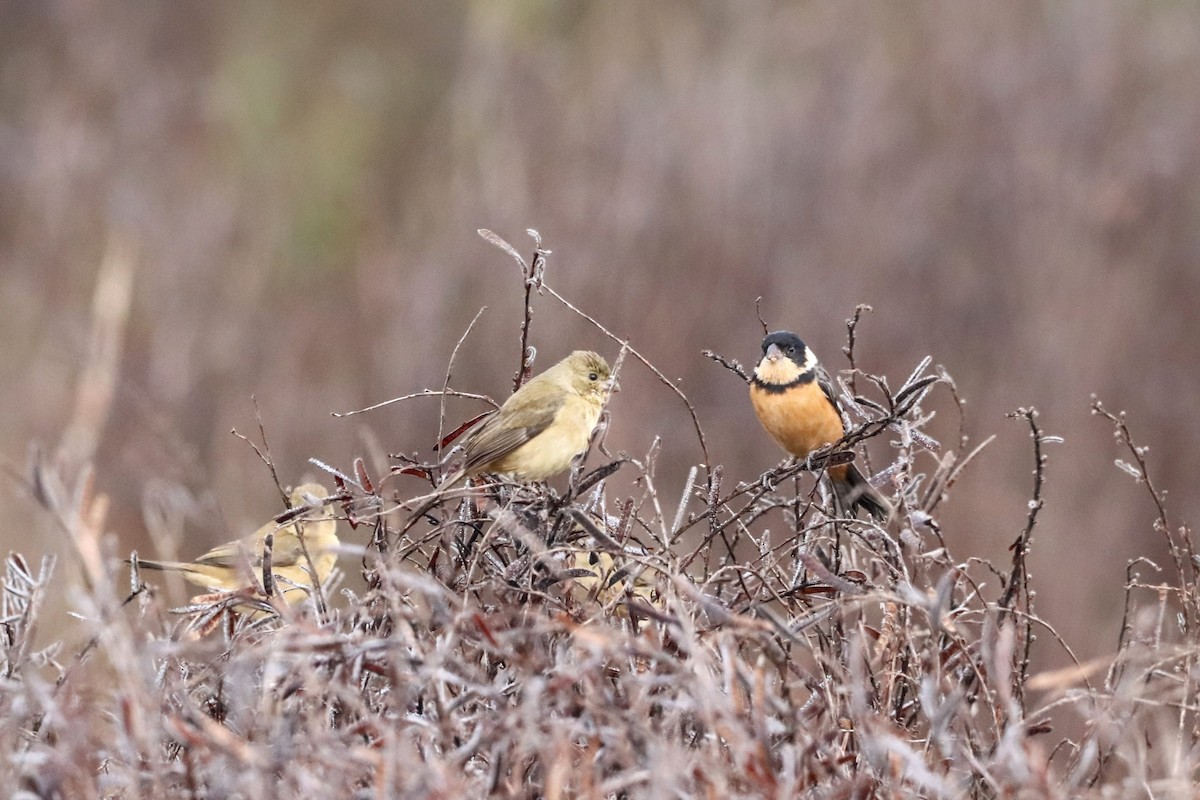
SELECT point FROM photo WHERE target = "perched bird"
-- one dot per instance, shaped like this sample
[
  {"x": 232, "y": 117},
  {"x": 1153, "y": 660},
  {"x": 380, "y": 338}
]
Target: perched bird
[
  {"x": 238, "y": 564},
  {"x": 540, "y": 429},
  {"x": 606, "y": 578},
  {"x": 602, "y": 570},
  {"x": 794, "y": 400}
]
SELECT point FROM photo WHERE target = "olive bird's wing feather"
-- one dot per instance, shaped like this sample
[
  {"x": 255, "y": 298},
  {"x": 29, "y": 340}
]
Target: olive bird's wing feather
[
  {"x": 501, "y": 434},
  {"x": 234, "y": 553},
  {"x": 285, "y": 546}
]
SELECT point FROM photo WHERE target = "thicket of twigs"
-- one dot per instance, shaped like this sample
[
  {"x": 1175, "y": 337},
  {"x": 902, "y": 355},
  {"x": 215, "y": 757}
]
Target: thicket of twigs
[{"x": 738, "y": 640}]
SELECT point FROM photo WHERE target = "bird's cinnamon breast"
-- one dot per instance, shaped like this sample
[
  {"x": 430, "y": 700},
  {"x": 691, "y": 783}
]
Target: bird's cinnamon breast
[{"x": 801, "y": 419}]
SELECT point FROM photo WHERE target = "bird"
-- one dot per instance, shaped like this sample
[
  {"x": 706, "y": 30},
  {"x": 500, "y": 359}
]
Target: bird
[
  {"x": 237, "y": 565},
  {"x": 604, "y": 571},
  {"x": 794, "y": 400},
  {"x": 540, "y": 428},
  {"x": 608, "y": 578}
]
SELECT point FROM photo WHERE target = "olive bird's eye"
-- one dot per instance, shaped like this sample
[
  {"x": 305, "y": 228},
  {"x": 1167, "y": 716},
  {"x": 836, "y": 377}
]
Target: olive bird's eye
[{"x": 593, "y": 376}]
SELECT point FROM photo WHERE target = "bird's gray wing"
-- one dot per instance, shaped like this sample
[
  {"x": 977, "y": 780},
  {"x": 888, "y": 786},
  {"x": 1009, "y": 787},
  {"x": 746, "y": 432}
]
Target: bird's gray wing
[{"x": 826, "y": 384}]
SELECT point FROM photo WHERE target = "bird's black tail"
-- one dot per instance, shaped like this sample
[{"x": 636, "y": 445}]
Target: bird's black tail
[{"x": 856, "y": 491}]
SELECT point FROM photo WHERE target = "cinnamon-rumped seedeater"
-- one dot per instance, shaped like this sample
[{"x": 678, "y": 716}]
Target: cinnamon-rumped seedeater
[
  {"x": 794, "y": 400},
  {"x": 237, "y": 564},
  {"x": 540, "y": 429}
]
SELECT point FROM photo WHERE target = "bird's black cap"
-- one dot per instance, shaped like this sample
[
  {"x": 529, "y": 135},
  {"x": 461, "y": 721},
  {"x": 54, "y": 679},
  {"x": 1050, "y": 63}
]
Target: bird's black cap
[{"x": 788, "y": 342}]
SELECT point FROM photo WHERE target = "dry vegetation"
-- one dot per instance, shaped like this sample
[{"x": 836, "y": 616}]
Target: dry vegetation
[
  {"x": 744, "y": 643},
  {"x": 1012, "y": 186}
]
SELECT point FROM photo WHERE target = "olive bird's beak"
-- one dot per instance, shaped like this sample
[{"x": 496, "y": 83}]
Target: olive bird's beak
[
  {"x": 611, "y": 386},
  {"x": 774, "y": 353}
]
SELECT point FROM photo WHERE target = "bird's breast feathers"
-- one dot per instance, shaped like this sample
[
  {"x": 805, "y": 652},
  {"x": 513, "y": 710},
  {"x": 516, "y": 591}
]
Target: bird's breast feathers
[{"x": 801, "y": 418}]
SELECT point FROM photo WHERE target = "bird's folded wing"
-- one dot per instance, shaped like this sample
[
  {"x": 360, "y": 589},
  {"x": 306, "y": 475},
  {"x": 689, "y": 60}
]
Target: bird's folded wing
[
  {"x": 500, "y": 435},
  {"x": 826, "y": 384},
  {"x": 233, "y": 554}
]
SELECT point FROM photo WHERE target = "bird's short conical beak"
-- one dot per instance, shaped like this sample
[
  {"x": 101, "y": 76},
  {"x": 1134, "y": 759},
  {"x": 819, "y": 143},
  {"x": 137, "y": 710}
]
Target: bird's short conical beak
[
  {"x": 611, "y": 386},
  {"x": 774, "y": 353}
]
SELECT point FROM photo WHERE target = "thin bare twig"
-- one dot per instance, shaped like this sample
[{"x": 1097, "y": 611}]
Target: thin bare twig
[
  {"x": 1181, "y": 548},
  {"x": 851, "y": 340},
  {"x": 532, "y": 277},
  {"x": 414, "y": 395},
  {"x": 1018, "y": 578},
  {"x": 446, "y": 380},
  {"x": 730, "y": 364},
  {"x": 758, "y": 313},
  {"x": 265, "y": 453}
]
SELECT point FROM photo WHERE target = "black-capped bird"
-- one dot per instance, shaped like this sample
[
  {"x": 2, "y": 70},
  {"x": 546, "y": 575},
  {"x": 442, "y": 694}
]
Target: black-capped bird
[
  {"x": 238, "y": 564},
  {"x": 540, "y": 429},
  {"x": 794, "y": 400}
]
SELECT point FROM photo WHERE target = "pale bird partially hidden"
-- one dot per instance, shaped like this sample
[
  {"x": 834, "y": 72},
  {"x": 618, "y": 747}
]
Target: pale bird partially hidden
[
  {"x": 603, "y": 571},
  {"x": 238, "y": 565}
]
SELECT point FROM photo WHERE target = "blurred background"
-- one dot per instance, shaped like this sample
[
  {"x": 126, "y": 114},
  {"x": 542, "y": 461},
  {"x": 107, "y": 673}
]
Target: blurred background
[{"x": 291, "y": 194}]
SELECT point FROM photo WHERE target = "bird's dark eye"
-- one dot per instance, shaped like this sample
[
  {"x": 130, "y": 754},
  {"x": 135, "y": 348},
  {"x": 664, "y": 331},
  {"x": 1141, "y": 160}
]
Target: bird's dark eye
[
  {"x": 593, "y": 376},
  {"x": 791, "y": 349}
]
